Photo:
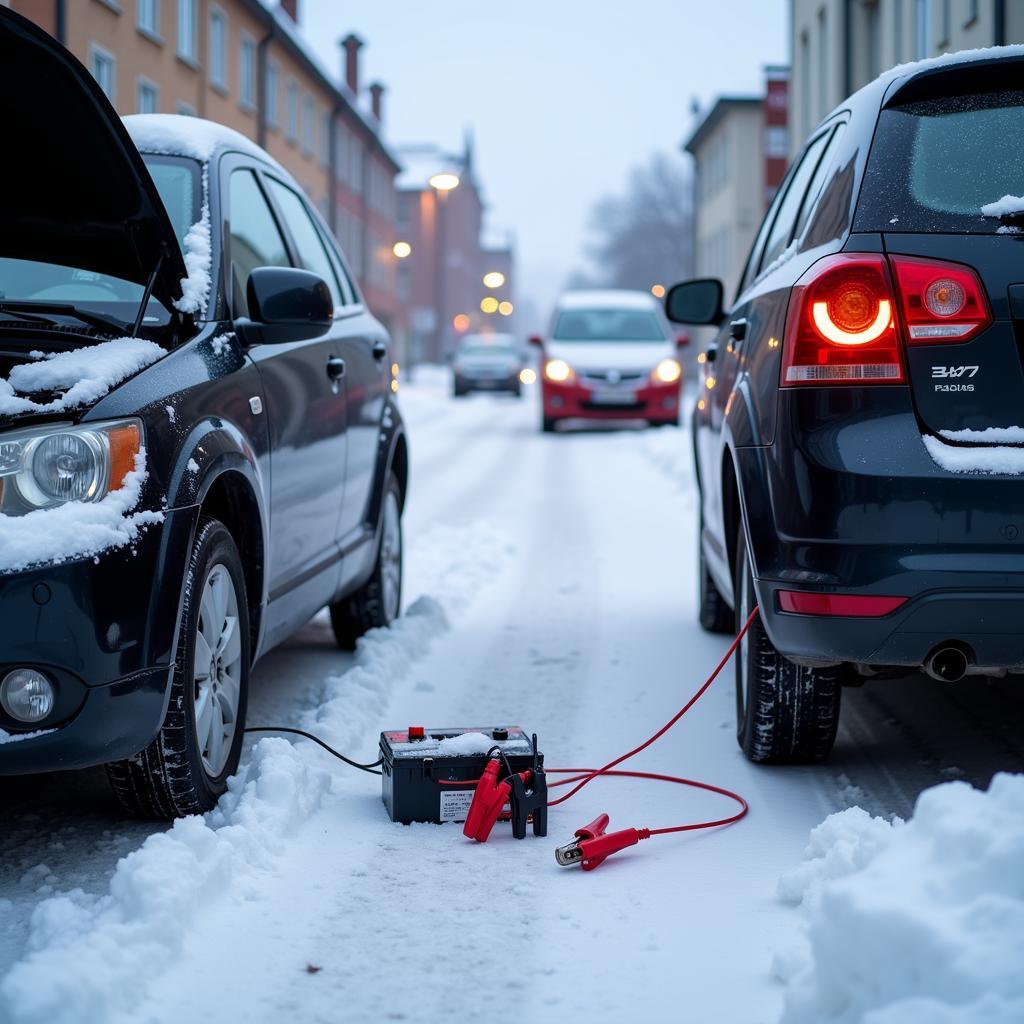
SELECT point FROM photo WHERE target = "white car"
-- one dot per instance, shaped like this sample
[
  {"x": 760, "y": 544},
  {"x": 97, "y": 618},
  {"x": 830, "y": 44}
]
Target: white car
[
  {"x": 610, "y": 355},
  {"x": 487, "y": 362}
]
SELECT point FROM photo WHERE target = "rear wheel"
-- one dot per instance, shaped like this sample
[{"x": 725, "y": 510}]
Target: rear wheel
[
  {"x": 786, "y": 713},
  {"x": 186, "y": 768},
  {"x": 378, "y": 601}
]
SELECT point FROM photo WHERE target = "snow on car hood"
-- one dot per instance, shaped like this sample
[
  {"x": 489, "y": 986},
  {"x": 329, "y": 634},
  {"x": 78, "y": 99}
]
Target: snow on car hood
[
  {"x": 76, "y": 378},
  {"x": 607, "y": 355}
]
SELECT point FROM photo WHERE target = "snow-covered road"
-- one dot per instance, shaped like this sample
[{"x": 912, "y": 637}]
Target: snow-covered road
[{"x": 565, "y": 567}]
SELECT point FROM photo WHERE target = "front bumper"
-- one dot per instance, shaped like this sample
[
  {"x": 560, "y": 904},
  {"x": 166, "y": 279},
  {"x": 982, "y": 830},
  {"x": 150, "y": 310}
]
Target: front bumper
[
  {"x": 658, "y": 403},
  {"x": 104, "y": 631},
  {"x": 848, "y": 500}
]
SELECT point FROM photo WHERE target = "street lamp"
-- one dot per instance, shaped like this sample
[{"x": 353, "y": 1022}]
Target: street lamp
[
  {"x": 494, "y": 279},
  {"x": 442, "y": 183},
  {"x": 402, "y": 250}
]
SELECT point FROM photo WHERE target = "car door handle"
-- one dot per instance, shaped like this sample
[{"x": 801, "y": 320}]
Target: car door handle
[
  {"x": 738, "y": 329},
  {"x": 335, "y": 368},
  {"x": 380, "y": 350}
]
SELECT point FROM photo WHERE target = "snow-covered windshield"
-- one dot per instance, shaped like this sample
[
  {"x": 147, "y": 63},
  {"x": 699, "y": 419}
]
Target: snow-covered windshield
[
  {"x": 608, "y": 325},
  {"x": 935, "y": 163},
  {"x": 179, "y": 183}
]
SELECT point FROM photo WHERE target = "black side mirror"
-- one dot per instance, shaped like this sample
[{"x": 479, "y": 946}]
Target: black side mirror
[
  {"x": 695, "y": 302},
  {"x": 286, "y": 304}
]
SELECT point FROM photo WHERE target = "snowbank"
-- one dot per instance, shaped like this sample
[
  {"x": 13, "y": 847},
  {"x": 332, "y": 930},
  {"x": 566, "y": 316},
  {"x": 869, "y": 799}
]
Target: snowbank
[
  {"x": 922, "y": 921},
  {"x": 78, "y": 529},
  {"x": 91, "y": 958},
  {"x": 81, "y": 375}
]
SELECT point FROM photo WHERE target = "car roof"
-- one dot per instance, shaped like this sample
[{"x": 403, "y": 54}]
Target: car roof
[
  {"x": 607, "y": 298},
  {"x": 181, "y": 135}
]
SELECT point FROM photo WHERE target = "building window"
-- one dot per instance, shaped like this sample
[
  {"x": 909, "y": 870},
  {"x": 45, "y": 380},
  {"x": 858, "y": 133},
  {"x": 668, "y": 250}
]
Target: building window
[
  {"x": 897, "y": 31},
  {"x": 874, "y": 20},
  {"x": 147, "y": 96},
  {"x": 776, "y": 142},
  {"x": 922, "y": 33},
  {"x": 149, "y": 17},
  {"x": 103, "y": 66},
  {"x": 292, "y": 111},
  {"x": 325, "y": 138},
  {"x": 823, "y": 104},
  {"x": 944, "y": 41},
  {"x": 218, "y": 48},
  {"x": 186, "y": 109},
  {"x": 271, "y": 86},
  {"x": 308, "y": 124},
  {"x": 247, "y": 72},
  {"x": 972, "y": 13},
  {"x": 187, "y": 30}
]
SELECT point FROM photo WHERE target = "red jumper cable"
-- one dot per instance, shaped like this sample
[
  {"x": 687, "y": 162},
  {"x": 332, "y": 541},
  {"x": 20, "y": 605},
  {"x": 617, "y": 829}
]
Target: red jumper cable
[{"x": 592, "y": 844}]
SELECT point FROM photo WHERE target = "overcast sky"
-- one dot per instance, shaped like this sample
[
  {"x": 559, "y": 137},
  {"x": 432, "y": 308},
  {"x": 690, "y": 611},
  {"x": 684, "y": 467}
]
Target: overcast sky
[{"x": 564, "y": 96}]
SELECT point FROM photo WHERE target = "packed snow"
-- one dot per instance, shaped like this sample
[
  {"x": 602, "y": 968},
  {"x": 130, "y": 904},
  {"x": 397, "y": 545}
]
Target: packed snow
[
  {"x": 181, "y": 135},
  {"x": 988, "y": 459},
  {"x": 922, "y": 921},
  {"x": 81, "y": 376},
  {"x": 195, "y": 286},
  {"x": 1004, "y": 207},
  {"x": 77, "y": 529}
]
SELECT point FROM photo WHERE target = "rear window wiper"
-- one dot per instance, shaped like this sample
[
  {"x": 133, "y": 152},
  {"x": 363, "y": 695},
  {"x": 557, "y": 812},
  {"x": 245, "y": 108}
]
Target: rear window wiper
[{"x": 39, "y": 311}]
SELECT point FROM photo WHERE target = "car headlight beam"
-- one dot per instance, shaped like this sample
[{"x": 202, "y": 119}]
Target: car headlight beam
[
  {"x": 668, "y": 371},
  {"x": 558, "y": 370}
]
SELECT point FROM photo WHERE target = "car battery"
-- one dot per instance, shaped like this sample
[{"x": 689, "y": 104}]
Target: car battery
[{"x": 421, "y": 768}]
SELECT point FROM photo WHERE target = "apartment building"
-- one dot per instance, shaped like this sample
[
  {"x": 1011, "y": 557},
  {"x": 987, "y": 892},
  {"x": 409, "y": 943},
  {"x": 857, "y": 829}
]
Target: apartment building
[
  {"x": 243, "y": 63},
  {"x": 837, "y": 46}
]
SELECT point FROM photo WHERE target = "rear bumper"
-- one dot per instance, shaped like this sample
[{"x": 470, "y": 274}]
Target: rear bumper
[
  {"x": 848, "y": 500},
  {"x": 653, "y": 402},
  {"x": 104, "y": 632}
]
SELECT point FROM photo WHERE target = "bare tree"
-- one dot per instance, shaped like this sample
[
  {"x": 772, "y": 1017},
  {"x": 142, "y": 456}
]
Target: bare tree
[{"x": 644, "y": 236}]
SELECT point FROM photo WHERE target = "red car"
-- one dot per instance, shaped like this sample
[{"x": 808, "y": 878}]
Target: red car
[{"x": 610, "y": 356}]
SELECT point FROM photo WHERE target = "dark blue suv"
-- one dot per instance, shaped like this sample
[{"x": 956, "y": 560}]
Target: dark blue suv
[
  {"x": 859, "y": 431},
  {"x": 199, "y": 440}
]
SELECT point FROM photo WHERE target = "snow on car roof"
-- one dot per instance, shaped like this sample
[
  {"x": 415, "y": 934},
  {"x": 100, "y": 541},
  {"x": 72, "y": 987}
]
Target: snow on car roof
[
  {"x": 180, "y": 135},
  {"x": 607, "y": 298},
  {"x": 915, "y": 67}
]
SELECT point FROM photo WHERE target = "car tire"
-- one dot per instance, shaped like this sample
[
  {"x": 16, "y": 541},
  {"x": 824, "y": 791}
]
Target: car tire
[
  {"x": 185, "y": 770},
  {"x": 547, "y": 424},
  {"x": 786, "y": 713},
  {"x": 379, "y": 600},
  {"x": 714, "y": 613}
]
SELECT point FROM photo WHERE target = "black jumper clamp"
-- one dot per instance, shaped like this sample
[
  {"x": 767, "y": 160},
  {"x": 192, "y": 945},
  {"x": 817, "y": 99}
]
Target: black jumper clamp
[{"x": 529, "y": 798}]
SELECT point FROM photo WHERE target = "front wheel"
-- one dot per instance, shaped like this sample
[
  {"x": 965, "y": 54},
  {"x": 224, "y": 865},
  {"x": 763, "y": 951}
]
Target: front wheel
[
  {"x": 186, "y": 768},
  {"x": 378, "y": 601},
  {"x": 786, "y": 713}
]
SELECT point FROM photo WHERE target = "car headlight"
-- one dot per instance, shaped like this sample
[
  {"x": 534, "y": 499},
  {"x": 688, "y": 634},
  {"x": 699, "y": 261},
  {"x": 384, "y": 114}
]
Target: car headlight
[
  {"x": 668, "y": 371},
  {"x": 49, "y": 466},
  {"x": 558, "y": 370}
]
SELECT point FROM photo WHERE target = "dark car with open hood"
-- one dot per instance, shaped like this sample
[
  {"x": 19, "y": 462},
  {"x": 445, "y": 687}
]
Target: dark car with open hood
[
  {"x": 200, "y": 445},
  {"x": 859, "y": 431}
]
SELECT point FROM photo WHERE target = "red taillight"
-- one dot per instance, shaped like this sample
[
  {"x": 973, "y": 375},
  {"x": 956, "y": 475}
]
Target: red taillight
[
  {"x": 941, "y": 302},
  {"x": 802, "y": 602},
  {"x": 840, "y": 328}
]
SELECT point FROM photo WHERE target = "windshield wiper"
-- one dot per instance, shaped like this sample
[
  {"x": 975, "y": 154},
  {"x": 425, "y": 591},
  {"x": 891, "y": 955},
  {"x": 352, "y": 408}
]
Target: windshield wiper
[{"x": 38, "y": 311}]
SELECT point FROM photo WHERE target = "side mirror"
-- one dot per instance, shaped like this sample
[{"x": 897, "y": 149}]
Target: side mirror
[
  {"x": 682, "y": 340},
  {"x": 536, "y": 339},
  {"x": 286, "y": 304},
  {"x": 695, "y": 302}
]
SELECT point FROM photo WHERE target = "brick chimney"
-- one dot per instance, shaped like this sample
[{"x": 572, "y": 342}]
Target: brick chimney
[
  {"x": 291, "y": 8},
  {"x": 377, "y": 100},
  {"x": 352, "y": 44}
]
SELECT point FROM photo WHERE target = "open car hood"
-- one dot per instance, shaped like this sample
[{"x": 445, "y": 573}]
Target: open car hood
[{"x": 73, "y": 188}]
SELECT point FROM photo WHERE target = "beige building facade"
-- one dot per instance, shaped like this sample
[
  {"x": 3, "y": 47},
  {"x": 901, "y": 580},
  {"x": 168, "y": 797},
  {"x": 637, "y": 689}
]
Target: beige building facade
[{"x": 837, "y": 46}]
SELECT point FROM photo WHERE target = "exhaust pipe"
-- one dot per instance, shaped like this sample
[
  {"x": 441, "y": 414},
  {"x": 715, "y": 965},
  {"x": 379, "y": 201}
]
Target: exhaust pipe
[{"x": 947, "y": 664}]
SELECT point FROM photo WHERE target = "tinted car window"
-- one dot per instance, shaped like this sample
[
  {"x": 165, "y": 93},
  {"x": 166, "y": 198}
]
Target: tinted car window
[
  {"x": 817, "y": 183},
  {"x": 608, "y": 325},
  {"x": 789, "y": 208},
  {"x": 934, "y": 163},
  {"x": 310, "y": 246},
  {"x": 256, "y": 240}
]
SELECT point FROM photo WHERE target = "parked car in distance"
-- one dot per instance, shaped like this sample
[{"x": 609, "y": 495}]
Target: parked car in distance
[
  {"x": 858, "y": 438},
  {"x": 487, "y": 362},
  {"x": 276, "y": 460},
  {"x": 609, "y": 356}
]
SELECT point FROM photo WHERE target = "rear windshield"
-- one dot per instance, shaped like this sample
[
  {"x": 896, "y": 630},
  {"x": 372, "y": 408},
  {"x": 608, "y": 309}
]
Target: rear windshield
[
  {"x": 608, "y": 325},
  {"x": 935, "y": 163}
]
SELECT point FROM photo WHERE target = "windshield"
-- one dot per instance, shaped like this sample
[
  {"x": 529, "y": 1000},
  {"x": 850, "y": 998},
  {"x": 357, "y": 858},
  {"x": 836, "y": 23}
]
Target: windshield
[
  {"x": 486, "y": 350},
  {"x": 935, "y": 163},
  {"x": 178, "y": 182},
  {"x": 608, "y": 325}
]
